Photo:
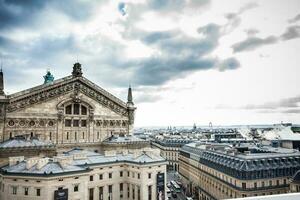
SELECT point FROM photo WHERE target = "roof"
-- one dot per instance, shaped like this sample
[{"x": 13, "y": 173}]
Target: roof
[
  {"x": 78, "y": 160},
  {"x": 20, "y": 142},
  {"x": 245, "y": 156},
  {"x": 296, "y": 177},
  {"x": 125, "y": 139},
  {"x": 281, "y": 133}
]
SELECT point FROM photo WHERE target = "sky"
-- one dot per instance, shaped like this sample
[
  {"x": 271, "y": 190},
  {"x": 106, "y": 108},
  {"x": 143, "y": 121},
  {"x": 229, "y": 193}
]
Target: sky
[{"x": 188, "y": 61}]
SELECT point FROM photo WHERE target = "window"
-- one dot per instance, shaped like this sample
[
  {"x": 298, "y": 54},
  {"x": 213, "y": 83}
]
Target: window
[
  {"x": 270, "y": 183},
  {"x": 100, "y": 176},
  {"x": 139, "y": 176},
  {"x": 38, "y": 192},
  {"x": 150, "y": 192},
  {"x": 67, "y": 135},
  {"x": 82, "y": 135},
  {"x": 263, "y": 184},
  {"x": 76, "y": 123},
  {"x": 14, "y": 189},
  {"x": 91, "y": 178},
  {"x": 68, "y": 110},
  {"x": 76, "y": 188},
  {"x": 75, "y": 135},
  {"x": 128, "y": 174},
  {"x": 149, "y": 175},
  {"x": 68, "y": 122},
  {"x": 91, "y": 194},
  {"x": 128, "y": 191},
  {"x": 26, "y": 191},
  {"x": 83, "y": 110},
  {"x": 255, "y": 185},
  {"x": 100, "y": 193},
  {"x": 139, "y": 193},
  {"x": 121, "y": 174},
  {"x": 110, "y": 192},
  {"x": 244, "y": 185},
  {"x": 83, "y": 123},
  {"x": 109, "y": 175},
  {"x": 277, "y": 182},
  {"x": 133, "y": 192},
  {"x": 76, "y": 109},
  {"x": 284, "y": 181},
  {"x": 121, "y": 190},
  {"x": 50, "y": 135},
  {"x": 98, "y": 135}
]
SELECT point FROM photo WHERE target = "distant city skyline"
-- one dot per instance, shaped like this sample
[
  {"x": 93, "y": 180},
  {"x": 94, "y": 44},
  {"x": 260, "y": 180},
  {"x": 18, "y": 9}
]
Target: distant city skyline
[{"x": 233, "y": 63}]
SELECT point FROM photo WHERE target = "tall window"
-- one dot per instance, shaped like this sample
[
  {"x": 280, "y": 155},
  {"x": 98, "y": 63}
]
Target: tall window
[
  {"x": 26, "y": 191},
  {"x": 121, "y": 190},
  {"x": 38, "y": 192},
  {"x": 100, "y": 193},
  {"x": 14, "y": 189},
  {"x": 110, "y": 192},
  {"x": 83, "y": 110},
  {"x": 69, "y": 109},
  {"x": 91, "y": 194},
  {"x": 150, "y": 192},
  {"x": 76, "y": 109}
]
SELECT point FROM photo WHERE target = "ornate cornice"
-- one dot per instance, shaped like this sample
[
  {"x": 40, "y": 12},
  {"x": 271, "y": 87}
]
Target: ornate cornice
[{"x": 25, "y": 99}]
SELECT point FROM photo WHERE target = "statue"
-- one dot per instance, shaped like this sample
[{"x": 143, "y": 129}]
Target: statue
[
  {"x": 77, "y": 70},
  {"x": 48, "y": 78}
]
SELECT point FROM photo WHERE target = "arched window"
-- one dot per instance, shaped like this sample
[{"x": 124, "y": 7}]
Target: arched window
[{"x": 76, "y": 109}]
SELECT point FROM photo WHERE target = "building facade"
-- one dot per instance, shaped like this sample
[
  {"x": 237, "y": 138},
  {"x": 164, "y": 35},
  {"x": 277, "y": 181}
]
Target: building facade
[
  {"x": 223, "y": 171},
  {"x": 84, "y": 175},
  {"x": 69, "y": 112},
  {"x": 169, "y": 149}
]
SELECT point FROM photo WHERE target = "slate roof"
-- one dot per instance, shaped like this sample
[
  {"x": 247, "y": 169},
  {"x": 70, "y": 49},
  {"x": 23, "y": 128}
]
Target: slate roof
[
  {"x": 20, "y": 142},
  {"x": 84, "y": 163}
]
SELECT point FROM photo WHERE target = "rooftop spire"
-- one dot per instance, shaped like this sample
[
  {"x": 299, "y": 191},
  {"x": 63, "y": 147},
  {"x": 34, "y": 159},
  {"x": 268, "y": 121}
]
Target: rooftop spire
[
  {"x": 129, "y": 96},
  {"x": 1, "y": 81},
  {"x": 77, "y": 70}
]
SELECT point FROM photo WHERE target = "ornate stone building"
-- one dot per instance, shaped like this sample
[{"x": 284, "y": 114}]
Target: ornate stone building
[{"x": 69, "y": 112}]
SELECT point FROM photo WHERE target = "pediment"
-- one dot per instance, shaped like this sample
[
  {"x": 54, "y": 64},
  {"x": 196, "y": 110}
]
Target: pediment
[{"x": 61, "y": 87}]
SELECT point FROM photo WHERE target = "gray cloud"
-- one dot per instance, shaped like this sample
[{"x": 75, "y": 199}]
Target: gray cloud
[
  {"x": 252, "y": 43},
  {"x": 292, "y": 102},
  {"x": 20, "y": 13},
  {"x": 101, "y": 56},
  {"x": 294, "y": 19},
  {"x": 292, "y": 111},
  {"x": 251, "y": 31},
  {"x": 291, "y": 32}
]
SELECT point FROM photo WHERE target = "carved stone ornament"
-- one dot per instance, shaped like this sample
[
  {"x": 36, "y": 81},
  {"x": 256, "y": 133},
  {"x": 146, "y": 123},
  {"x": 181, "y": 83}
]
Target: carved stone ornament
[{"x": 63, "y": 89}]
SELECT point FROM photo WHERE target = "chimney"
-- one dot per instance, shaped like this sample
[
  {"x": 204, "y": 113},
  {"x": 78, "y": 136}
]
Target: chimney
[{"x": 31, "y": 162}]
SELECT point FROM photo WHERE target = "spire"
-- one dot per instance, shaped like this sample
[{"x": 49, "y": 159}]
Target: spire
[
  {"x": 77, "y": 70},
  {"x": 1, "y": 81},
  {"x": 129, "y": 96},
  {"x": 48, "y": 78}
]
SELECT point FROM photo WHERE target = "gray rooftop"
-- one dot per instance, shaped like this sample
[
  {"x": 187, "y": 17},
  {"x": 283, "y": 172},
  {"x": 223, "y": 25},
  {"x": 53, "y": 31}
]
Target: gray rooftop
[
  {"x": 81, "y": 160},
  {"x": 20, "y": 142}
]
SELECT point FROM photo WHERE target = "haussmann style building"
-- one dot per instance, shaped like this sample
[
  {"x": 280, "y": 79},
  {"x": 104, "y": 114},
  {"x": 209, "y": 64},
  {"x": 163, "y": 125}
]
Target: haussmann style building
[{"x": 225, "y": 171}]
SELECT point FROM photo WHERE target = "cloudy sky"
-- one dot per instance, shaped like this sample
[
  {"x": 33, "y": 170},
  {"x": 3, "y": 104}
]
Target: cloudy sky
[{"x": 188, "y": 61}]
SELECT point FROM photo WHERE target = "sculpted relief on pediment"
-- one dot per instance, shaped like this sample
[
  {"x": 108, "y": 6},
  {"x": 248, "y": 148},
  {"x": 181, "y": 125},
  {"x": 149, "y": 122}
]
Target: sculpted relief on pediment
[{"x": 56, "y": 91}]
